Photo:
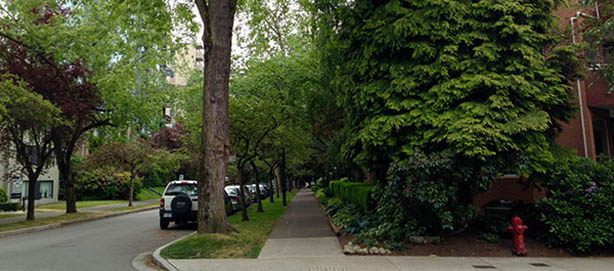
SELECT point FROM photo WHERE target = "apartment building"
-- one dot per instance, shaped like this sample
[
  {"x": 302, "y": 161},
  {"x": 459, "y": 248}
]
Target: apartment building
[{"x": 591, "y": 131}]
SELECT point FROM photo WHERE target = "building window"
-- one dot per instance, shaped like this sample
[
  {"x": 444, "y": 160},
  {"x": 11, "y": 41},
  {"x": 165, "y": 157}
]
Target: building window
[
  {"x": 591, "y": 51},
  {"x": 44, "y": 190},
  {"x": 608, "y": 53},
  {"x": 600, "y": 133}
]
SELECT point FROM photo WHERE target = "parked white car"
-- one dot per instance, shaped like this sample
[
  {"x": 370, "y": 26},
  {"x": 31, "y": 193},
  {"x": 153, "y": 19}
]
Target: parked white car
[
  {"x": 179, "y": 203},
  {"x": 233, "y": 191}
]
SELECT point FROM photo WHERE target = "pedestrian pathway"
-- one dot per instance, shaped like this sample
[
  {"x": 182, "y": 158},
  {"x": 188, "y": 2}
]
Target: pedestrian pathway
[
  {"x": 302, "y": 231},
  {"x": 91, "y": 209}
]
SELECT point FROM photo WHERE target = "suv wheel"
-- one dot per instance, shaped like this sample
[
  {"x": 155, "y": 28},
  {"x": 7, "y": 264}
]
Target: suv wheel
[
  {"x": 181, "y": 206},
  {"x": 164, "y": 223}
]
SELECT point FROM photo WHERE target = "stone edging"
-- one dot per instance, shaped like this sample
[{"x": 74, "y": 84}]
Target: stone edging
[
  {"x": 160, "y": 261},
  {"x": 59, "y": 225}
]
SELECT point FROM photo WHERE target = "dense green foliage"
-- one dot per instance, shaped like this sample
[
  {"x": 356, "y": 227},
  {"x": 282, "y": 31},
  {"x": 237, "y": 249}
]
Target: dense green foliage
[
  {"x": 344, "y": 216},
  {"x": 579, "y": 210},
  {"x": 105, "y": 184},
  {"x": 353, "y": 193},
  {"x": 426, "y": 194},
  {"x": 335, "y": 186},
  {"x": 3, "y": 196},
  {"x": 470, "y": 76},
  {"x": 321, "y": 196},
  {"x": 9, "y": 206}
]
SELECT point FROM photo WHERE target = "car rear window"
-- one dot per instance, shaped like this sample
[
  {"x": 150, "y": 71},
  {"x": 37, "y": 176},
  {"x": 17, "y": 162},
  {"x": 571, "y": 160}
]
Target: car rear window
[
  {"x": 175, "y": 189},
  {"x": 232, "y": 191}
]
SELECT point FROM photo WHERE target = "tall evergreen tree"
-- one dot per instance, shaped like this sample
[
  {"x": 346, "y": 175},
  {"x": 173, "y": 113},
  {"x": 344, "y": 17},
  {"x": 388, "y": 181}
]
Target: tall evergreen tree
[{"x": 487, "y": 79}]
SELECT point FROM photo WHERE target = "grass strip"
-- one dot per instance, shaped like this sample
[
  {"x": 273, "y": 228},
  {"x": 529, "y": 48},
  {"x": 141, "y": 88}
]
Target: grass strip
[
  {"x": 121, "y": 209},
  {"x": 81, "y": 204},
  {"x": 10, "y": 215},
  {"x": 48, "y": 220},
  {"x": 246, "y": 243},
  {"x": 145, "y": 194}
]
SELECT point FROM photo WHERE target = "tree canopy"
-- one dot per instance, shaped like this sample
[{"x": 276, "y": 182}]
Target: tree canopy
[{"x": 467, "y": 76}]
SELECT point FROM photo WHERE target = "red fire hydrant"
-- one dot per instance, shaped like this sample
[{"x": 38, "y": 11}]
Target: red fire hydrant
[{"x": 517, "y": 230}]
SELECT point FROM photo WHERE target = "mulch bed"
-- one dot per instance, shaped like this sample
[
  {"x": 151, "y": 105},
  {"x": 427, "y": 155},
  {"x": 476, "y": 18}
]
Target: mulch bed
[{"x": 468, "y": 244}]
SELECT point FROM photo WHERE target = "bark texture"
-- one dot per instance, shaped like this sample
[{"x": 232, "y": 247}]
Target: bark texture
[
  {"x": 243, "y": 175},
  {"x": 218, "y": 19},
  {"x": 258, "y": 199}
]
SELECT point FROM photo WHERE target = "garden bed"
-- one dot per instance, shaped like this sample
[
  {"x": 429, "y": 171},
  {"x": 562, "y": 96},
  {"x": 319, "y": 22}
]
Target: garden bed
[{"x": 468, "y": 244}]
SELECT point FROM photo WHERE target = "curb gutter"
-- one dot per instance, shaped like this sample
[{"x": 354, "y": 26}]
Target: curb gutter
[
  {"x": 59, "y": 225},
  {"x": 160, "y": 261}
]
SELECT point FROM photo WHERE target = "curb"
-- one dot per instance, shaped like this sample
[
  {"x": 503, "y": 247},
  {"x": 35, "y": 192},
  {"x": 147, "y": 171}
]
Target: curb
[
  {"x": 59, "y": 225},
  {"x": 160, "y": 261},
  {"x": 138, "y": 262}
]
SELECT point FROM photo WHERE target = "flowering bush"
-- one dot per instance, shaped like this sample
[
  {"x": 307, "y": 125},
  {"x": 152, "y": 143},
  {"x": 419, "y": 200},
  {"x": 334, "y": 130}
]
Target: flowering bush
[
  {"x": 579, "y": 209},
  {"x": 105, "y": 183},
  {"x": 427, "y": 194}
]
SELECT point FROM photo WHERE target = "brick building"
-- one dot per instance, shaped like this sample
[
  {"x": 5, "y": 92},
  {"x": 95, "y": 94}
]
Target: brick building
[{"x": 591, "y": 131}]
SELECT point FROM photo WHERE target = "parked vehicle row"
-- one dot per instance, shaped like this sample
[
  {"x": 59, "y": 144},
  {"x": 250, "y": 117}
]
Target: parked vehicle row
[{"x": 179, "y": 202}]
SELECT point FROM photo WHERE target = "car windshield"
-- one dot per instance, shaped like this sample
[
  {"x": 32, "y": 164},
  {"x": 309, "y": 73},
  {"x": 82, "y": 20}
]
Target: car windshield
[{"x": 175, "y": 189}]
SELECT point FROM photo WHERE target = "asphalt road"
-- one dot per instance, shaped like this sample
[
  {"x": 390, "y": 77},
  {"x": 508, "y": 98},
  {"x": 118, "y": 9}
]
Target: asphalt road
[{"x": 106, "y": 244}]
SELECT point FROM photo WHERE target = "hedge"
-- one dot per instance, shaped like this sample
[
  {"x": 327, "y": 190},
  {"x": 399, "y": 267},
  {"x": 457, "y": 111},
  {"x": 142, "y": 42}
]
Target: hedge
[
  {"x": 352, "y": 192},
  {"x": 335, "y": 186},
  {"x": 3, "y": 196},
  {"x": 9, "y": 206}
]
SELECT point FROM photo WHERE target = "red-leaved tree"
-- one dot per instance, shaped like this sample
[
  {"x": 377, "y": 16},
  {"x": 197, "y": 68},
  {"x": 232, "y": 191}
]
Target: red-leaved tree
[{"x": 64, "y": 83}]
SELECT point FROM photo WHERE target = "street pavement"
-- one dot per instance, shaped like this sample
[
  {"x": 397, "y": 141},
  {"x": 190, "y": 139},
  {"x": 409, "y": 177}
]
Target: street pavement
[
  {"x": 106, "y": 244},
  {"x": 303, "y": 241},
  {"x": 102, "y": 208}
]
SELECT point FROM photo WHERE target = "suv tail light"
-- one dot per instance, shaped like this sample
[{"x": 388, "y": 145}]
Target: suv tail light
[{"x": 162, "y": 203}]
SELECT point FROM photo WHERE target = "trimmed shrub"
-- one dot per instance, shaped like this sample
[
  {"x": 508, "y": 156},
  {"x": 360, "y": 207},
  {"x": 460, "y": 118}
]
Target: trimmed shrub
[
  {"x": 353, "y": 192},
  {"x": 335, "y": 186},
  {"x": 3, "y": 196},
  {"x": 579, "y": 209},
  {"x": 9, "y": 206}
]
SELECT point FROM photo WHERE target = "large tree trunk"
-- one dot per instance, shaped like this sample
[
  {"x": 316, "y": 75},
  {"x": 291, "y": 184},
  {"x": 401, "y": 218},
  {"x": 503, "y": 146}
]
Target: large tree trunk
[
  {"x": 278, "y": 180},
  {"x": 218, "y": 19},
  {"x": 31, "y": 196},
  {"x": 271, "y": 192},
  {"x": 66, "y": 178},
  {"x": 283, "y": 180},
  {"x": 131, "y": 196},
  {"x": 242, "y": 177},
  {"x": 260, "y": 210}
]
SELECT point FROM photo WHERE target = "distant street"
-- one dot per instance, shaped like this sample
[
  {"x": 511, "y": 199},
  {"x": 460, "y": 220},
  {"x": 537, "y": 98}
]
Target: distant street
[{"x": 107, "y": 244}]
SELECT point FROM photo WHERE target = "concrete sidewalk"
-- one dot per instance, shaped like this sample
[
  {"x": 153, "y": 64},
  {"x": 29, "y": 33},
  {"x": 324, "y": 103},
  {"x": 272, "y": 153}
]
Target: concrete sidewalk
[
  {"x": 303, "y": 240},
  {"x": 58, "y": 213},
  {"x": 302, "y": 231},
  {"x": 395, "y": 263}
]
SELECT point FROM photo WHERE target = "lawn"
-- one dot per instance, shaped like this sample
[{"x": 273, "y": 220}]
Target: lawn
[
  {"x": 126, "y": 208},
  {"x": 81, "y": 204},
  {"x": 46, "y": 221},
  {"x": 246, "y": 243},
  {"x": 146, "y": 194},
  {"x": 10, "y": 215}
]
